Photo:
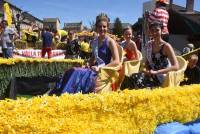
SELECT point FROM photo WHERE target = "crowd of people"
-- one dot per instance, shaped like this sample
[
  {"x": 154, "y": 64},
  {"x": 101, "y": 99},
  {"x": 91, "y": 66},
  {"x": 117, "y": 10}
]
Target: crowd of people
[
  {"x": 75, "y": 46},
  {"x": 102, "y": 51}
]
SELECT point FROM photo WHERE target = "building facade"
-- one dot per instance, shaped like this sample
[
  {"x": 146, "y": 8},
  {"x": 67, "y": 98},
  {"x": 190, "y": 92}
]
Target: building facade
[
  {"x": 76, "y": 27},
  {"x": 111, "y": 26},
  {"x": 25, "y": 19},
  {"x": 51, "y": 23}
]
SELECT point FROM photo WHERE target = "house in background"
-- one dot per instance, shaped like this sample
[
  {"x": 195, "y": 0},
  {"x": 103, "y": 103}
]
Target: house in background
[
  {"x": 76, "y": 26},
  {"x": 184, "y": 25},
  {"x": 18, "y": 14},
  {"x": 52, "y": 23}
]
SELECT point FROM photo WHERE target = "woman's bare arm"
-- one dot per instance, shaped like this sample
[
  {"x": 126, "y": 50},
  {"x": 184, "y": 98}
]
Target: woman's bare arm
[
  {"x": 134, "y": 49},
  {"x": 169, "y": 52},
  {"x": 115, "y": 54}
]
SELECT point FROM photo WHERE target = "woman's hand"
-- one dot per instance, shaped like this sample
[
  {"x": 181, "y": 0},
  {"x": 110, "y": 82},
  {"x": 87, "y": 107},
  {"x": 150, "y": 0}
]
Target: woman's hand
[
  {"x": 146, "y": 72},
  {"x": 87, "y": 65},
  {"x": 95, "y": 68},
  {"x": 152, "y": 72}
]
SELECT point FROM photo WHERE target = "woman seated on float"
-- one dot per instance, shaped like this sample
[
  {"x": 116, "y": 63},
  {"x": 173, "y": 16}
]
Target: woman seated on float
[
  {"x": 160, "y": 59},
  {"x": 104, "y": 53},
  {"x": 129, "y": 45}
]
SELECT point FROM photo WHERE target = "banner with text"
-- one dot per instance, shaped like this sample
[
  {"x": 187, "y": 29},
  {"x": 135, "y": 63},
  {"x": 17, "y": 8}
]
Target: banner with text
[{"x": 36, "y": 53}]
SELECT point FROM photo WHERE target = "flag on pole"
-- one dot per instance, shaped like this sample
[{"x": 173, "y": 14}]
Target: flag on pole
[{"x": 7, "y": 14}]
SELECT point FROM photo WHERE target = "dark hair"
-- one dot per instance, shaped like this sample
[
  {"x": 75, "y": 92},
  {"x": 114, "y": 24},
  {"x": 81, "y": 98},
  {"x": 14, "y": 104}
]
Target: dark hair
[
  {"x": 5, "y": 22},
  {"x": 71, "y": 32},
  {"x": 156, "y": 24},
  {"x": 194, "y": 57},
  {"x": 86, "y": 40},
  {"x": 161, "y": 4},
  {"x": 47, "y": 29},
  {"x": 127, "y": 28},
  {"x": 102, "y": 17},
  {"x": 55, "y": 31}
]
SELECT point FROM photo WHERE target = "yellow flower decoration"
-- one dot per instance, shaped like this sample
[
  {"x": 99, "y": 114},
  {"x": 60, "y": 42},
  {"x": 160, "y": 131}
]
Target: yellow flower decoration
[
  {"x": 128, "y": 111},
  {"x": 7, "y": 13}
]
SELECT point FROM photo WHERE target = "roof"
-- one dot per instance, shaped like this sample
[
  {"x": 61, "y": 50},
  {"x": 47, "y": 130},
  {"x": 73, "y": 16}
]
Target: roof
[
  {"x": 31, "y": 16},
  {"x": 51, "y": 20},
  {"x": 182, "y": 22},
  {"x": 194, "y": 16},
  {"x": 123, "y": 25},
  {"x": 10, "y": 4},
  {"x": 24, "y": 13},
  {"x": 76, "y": 24}
]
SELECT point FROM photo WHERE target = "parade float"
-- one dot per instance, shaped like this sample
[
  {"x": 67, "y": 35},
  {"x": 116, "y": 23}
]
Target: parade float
[
  {"x": 31, "y": 67},
  {"x": 30, "y": 45},
  {"x": 128, "y": 111}
]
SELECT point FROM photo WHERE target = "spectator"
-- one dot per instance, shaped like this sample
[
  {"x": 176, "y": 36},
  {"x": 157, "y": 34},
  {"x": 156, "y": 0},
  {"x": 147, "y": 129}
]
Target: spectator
[
  {"x": 7, "y": 37},
  {"x": 161, "y": 15},
  {"x": 47, "y": 39},
  {"x": 57, "y": 36},
  {"x": 63, "y": 35},
  {"x": 85, "y": 50},
  {"x": 188, "y": 48},
  {"x": 72, "y": 47},
  {"x": 192, "y": 73}
]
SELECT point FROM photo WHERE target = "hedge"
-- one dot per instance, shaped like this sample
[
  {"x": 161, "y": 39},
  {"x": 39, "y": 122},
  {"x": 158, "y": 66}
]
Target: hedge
[{"x": 28, "y": 67}]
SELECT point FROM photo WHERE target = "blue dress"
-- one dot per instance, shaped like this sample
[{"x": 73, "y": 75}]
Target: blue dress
[{"x": 84, "y": 79}]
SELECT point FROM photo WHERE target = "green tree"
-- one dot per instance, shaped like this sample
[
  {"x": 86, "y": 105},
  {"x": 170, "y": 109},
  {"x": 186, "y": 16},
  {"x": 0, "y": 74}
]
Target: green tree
[{"x": 117, "y": 29}]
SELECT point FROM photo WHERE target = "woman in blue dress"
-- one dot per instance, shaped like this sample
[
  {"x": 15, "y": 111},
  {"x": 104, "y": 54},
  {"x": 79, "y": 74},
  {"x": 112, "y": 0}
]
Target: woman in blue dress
[{"x": 104, "y": 53}]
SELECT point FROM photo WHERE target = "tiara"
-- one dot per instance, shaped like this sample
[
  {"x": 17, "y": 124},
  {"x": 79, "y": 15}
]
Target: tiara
[{"x": 102, "y": 16}]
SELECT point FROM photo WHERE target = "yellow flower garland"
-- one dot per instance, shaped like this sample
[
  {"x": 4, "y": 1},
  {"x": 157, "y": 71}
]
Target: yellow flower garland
[
  {"x": 130, "y": 111},
  {"x": 13, "y": 61}
]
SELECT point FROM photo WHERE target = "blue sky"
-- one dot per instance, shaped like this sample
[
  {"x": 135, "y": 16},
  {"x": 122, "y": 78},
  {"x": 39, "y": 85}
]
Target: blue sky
[{"x": 86, "y": 10}]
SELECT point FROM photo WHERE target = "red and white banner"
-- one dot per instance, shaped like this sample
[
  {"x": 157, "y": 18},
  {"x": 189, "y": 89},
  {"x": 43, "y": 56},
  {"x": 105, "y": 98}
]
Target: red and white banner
[{"x": 36, "y": 53}]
